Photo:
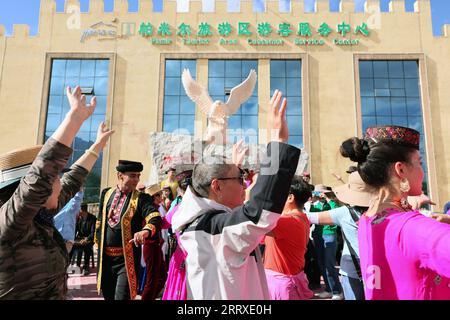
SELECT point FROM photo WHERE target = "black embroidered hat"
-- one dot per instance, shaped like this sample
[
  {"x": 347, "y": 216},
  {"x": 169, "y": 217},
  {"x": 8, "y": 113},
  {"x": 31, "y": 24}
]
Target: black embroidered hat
[{"x": 129, "y": 166}]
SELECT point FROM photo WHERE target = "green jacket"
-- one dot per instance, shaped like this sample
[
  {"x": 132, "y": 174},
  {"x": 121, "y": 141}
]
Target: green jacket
[
  {"x": 319, "y": 207},
  {"x": 330, "y": 229}
]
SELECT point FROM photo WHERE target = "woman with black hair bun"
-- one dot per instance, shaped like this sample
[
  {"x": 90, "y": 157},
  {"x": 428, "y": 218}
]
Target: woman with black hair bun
[{"x": 404, "y": 254}]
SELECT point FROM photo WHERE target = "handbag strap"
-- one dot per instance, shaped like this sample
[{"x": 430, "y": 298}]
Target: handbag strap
[{"x": 353, "y": 254}]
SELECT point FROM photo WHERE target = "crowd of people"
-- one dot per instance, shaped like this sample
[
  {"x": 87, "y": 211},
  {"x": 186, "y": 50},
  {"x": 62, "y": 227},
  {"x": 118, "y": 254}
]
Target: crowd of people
[{"x": 221, "y": 231}]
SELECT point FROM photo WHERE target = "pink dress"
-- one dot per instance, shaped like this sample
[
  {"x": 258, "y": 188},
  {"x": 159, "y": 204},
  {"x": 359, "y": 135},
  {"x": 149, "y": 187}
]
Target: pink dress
[
  {"x": 404, "y": 256},
  {"x": 176, "y": 277}
]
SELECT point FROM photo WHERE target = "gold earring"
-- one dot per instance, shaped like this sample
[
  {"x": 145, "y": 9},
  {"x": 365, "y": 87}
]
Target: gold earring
[{"x": 404, "y": 185}]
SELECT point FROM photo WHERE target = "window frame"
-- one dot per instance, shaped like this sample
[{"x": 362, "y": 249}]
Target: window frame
[
  {"x": 263, "y": 86},
  {"x": 425, "y": 103},
  {"x": 50, "y": 56}
]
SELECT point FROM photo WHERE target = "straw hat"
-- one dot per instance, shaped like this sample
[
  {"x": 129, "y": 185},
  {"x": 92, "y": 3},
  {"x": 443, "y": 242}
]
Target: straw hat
[
  {"x": 153, "y": 189},
  {"x": 356, "y": 192},
  {"x": 15, "y": 164}
]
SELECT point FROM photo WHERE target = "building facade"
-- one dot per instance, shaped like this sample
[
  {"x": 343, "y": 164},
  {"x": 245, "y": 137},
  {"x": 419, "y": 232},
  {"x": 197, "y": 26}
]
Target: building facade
[{"x": 341, "y": 72}]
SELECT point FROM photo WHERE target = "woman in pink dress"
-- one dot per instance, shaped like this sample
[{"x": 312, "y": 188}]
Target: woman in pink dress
[
  {"x": 404, "y": 254},
  {"x": 176, "y": 278}
]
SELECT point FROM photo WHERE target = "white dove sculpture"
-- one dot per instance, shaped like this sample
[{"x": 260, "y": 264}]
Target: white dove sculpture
[{"x": 218, "y": 112}]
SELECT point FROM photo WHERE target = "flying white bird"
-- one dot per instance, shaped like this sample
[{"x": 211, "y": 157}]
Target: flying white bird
[{"x": 217, "y": 111}]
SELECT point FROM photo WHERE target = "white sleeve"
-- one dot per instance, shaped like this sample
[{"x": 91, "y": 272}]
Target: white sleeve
[
  {"x": 338, "y": 214},
  {"x": 313, "y": 217}
]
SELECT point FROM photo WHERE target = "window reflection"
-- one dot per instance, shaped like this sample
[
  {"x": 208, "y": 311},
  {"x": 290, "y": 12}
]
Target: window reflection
[
  {"x": 233, "y": 69},
  {"x": 295, "y": 124},
  {"x": 55, "y": 104},
  {"x": 179, "y": 110},
  {"x": 101, "y": 105},
  {"x": 230, "y": 83},
  {"x": 170, "y": 123},
  {"x": 102, "y": 68},
  {"x": 411, "y": 69},
  {"x": 187, "y": 106},
  {"x": 216, "y": 86},
  {"x": 59, "y": 68},
  {"x": 293, "y": 69},
  {"x": 101, "y": 86},
  {"x": 187, "y": 123},
  {"x": 172, "y": 105},
  {"x": 57, "y": 86},
  {"x": 294, "y": 87},
  {"x": 173, "y": 68},
  {"x": 250, "y": 107},
  {"x": 86, "y": 73},
  {"x": 248, "y": 65},
  {"x": 365, "y": 69},
  {"x": 380, "y": 69},
  {"x": 72, "y": 82},
  {"x": 216, "y": 68},
  {"x": 172, "y": 86},
  {"x": 396, "y": 87},
  {"x": 53, "y": 121},
  {"x": 73, "y": 68},
  {"x": 414, "y": 106},
  {"x": 398, "y": 106},
  {"x": 294, "y": 106},
  {"x": 285, "y": 75},
  {"x": 368, "y": 106},
  {"x": 395, "y": 69},
  {"x": 87, "y": 68},
  {"x": 296, "y": 141},
  {"x": 87, "y": 82}
]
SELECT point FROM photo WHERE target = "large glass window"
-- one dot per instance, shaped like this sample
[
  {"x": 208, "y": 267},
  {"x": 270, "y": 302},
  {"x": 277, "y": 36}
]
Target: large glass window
[
  {"x": 390, "y": 94},
  {"x": 92, "y": 76},
  {"x": 179, "y": 110},
  {"x": 286, "y": 75},
  {"x": 223, "y": 76}
]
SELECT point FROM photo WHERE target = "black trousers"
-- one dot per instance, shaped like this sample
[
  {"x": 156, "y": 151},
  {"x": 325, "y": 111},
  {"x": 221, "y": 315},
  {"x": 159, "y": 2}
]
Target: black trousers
[
  {"x": 312, "y": 269},
  {"x": 79, "y": 250},
  {"x": 115, "y": 279}
]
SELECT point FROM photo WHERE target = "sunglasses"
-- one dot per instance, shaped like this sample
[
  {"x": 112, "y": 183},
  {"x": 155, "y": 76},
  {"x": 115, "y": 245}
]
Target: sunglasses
[{"x": 240, "y": 179}]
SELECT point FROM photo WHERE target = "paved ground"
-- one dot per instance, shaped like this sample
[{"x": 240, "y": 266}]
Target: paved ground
[{"x": 84, "y": 287}]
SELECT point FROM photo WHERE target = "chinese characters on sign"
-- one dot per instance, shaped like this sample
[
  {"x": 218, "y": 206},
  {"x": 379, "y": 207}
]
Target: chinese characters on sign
[{"x": 304, "y": 33}]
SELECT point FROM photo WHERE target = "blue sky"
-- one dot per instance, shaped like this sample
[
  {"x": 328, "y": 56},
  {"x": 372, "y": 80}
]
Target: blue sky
[{"x": 27, "y": 11}]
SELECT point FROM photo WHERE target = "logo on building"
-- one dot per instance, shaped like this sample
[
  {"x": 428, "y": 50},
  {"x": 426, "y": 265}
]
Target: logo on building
[{"x": 102, "y": 30}]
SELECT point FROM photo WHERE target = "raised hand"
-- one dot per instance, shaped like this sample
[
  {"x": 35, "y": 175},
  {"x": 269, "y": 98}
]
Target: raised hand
[
  {"x": 239, "y": 152},
  {"x": 78, "y": 108},
  {"x": 103, "y": 134},
  {"x": 276, "y": 120},
  {"x": 88, "y": 160}
]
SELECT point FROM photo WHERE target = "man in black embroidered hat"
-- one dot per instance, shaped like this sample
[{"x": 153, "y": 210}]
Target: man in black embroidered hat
[{"x": 122, "y": 213}]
